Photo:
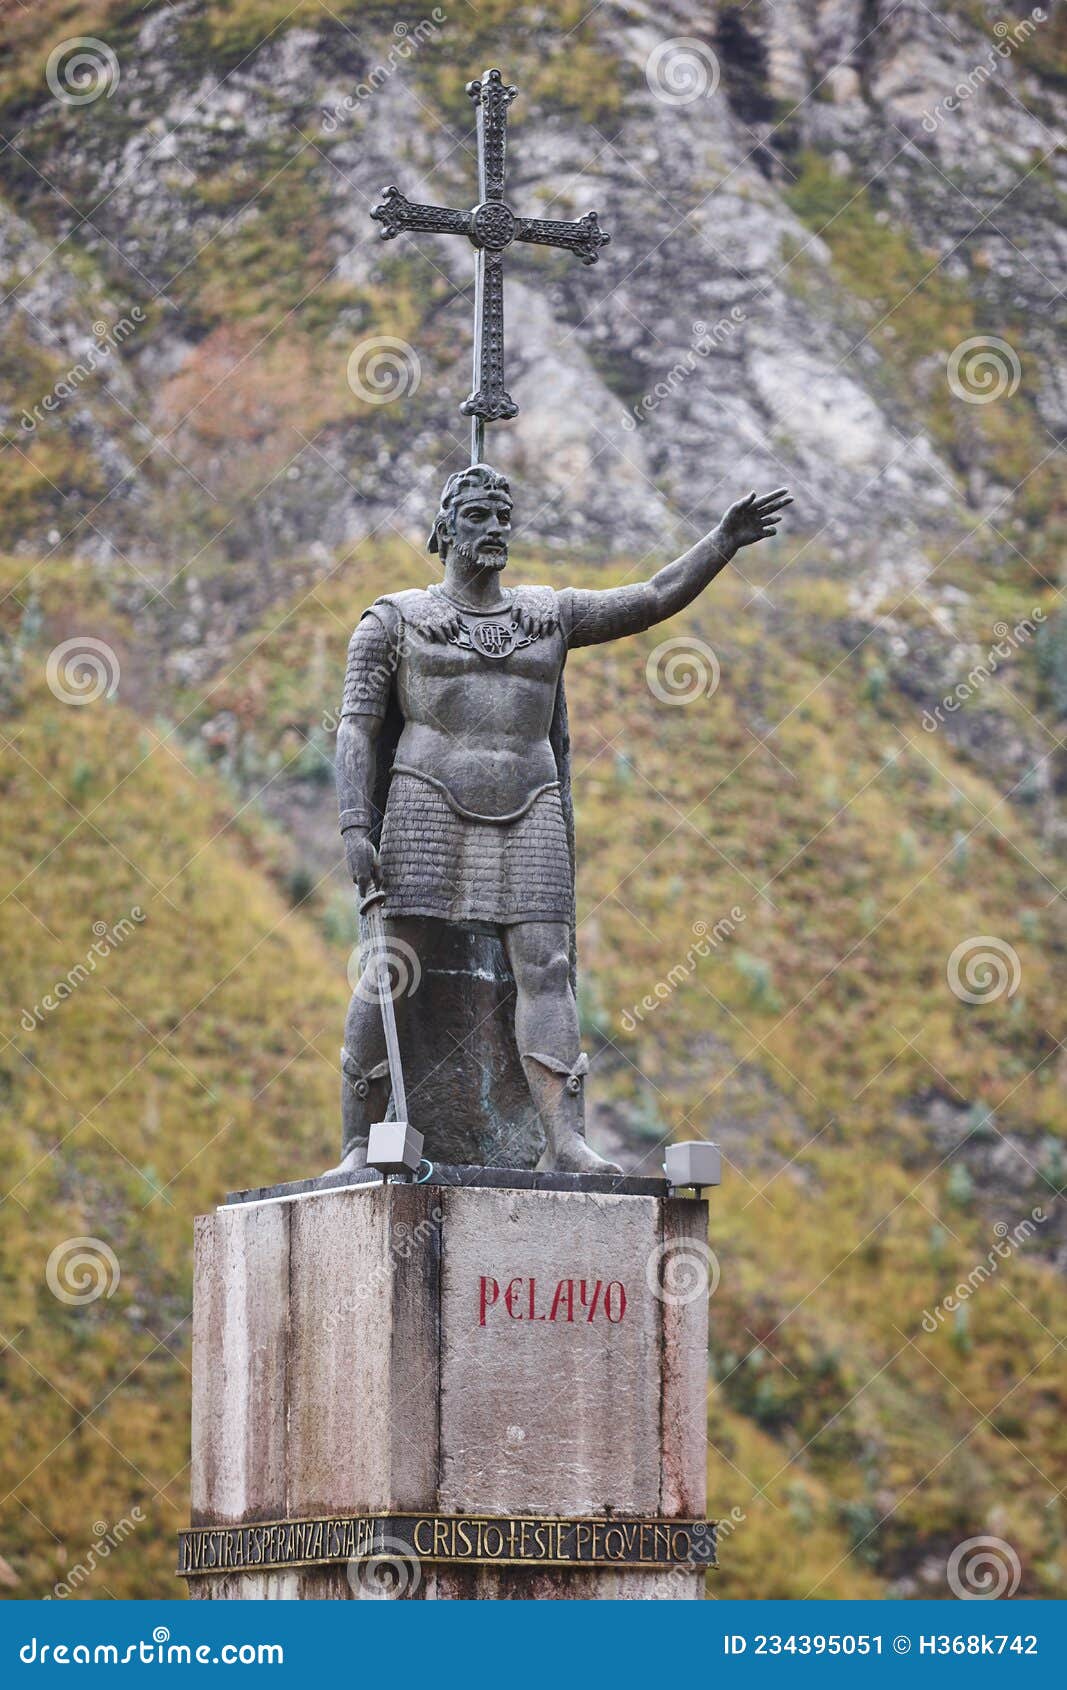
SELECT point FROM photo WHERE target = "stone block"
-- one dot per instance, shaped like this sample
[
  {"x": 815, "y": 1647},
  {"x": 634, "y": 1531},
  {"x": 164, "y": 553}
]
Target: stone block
[{"x": 479, "y": 1363}]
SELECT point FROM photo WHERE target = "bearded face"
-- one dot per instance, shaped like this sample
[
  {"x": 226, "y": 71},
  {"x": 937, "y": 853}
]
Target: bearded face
[{"x": 481, "y": 530}]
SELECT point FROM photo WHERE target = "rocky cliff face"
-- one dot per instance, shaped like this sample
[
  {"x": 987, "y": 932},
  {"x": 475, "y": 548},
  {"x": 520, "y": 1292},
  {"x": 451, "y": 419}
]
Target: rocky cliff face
[
  {"x": 836, "y": 261},
  {"x": 747, "y": 325}
]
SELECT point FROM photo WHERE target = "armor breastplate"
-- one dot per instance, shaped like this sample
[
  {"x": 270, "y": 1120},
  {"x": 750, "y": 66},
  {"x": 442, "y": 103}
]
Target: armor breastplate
[{"x": 478, "y": 702}]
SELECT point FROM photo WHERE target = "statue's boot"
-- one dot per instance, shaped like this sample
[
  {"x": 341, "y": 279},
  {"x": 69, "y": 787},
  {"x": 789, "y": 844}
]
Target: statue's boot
[
  {"x": 364, "y": 1099},
  {"x": 559, "y": 1093}
]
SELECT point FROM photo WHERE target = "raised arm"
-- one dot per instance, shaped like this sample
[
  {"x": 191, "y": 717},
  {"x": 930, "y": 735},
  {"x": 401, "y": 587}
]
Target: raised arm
[
  {"x": 609, "y": 614},
  {"x": 750, "y": 519}
]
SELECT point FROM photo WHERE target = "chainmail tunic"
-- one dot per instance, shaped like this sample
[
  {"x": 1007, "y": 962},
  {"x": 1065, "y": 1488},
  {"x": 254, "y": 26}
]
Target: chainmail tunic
[{"x": 438, "y": 863}]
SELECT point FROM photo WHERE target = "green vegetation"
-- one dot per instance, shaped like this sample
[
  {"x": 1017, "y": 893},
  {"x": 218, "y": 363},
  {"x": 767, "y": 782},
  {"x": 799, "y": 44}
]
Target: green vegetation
[
  {"x": 201, "y": 1049},
  {"x": 827, "y": 1392},
  {"x": 577, "y": 75}
]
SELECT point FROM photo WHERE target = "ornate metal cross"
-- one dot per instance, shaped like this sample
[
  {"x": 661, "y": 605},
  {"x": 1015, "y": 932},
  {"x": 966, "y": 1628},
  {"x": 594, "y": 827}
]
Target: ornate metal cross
[{"x": 490, "y": 227}]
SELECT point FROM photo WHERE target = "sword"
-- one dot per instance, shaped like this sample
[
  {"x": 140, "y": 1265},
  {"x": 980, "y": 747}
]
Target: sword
[
  {"x": 371, "y": 909},
  {"x": 393, "y": 1147}
]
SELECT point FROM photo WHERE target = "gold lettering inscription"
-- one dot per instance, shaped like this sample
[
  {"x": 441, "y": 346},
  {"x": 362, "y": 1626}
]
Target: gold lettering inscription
[{"x": 511, "y": 1540}]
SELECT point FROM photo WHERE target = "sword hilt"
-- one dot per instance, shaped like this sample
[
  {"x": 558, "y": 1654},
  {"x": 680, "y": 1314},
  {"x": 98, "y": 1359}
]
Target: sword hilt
[{"x": 373, "y": 896}]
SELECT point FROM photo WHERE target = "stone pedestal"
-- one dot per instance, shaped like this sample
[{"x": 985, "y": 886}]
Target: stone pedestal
[{"x": 451, "y": 1390}]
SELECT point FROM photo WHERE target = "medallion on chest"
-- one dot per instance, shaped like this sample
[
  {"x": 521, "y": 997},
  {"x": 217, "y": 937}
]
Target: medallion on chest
[
  {"x": 529, "y": 616},
  {"x": 495, "y": 639}
]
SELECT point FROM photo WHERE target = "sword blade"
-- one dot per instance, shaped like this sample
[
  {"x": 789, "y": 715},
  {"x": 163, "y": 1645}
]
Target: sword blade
[{"x": 380, "y": 957}]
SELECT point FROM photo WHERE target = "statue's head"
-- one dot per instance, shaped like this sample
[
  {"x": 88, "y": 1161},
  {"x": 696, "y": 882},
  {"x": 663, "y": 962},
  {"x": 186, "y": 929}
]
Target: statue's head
[{"x": 473, "y": 524}]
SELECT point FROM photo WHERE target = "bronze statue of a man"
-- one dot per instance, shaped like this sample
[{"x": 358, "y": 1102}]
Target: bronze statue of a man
[{"x": 453, "y": 779}]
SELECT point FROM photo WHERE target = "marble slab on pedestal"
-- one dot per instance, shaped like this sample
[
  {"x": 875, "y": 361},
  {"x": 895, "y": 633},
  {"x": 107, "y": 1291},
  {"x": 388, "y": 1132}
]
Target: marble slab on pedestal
[{"x": 463, "y": 1352}]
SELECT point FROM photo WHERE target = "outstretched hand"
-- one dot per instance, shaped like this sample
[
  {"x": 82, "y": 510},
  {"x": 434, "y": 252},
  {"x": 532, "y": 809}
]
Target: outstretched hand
[{"x": 752, "y": 519}]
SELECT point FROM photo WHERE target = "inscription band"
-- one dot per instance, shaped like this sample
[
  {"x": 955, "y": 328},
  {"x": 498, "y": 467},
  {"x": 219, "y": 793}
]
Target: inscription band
[{"x": 456, "y": 1539}]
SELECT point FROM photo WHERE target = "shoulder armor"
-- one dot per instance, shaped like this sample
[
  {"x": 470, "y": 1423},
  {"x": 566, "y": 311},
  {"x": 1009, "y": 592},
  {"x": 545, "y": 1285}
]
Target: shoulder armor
[
  {"x": 423, "y": 610},
  {"x": 541, "y": 602},
  {"x": 428, "y": 612}
]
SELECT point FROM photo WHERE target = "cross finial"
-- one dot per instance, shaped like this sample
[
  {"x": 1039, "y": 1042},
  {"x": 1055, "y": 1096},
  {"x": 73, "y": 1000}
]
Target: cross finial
[
  {"x": 492, "y": 97},
  {"x": 490, "y": 226}
]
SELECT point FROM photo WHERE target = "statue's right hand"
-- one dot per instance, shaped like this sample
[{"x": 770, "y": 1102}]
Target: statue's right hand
[{"x": 364, "y": 864}]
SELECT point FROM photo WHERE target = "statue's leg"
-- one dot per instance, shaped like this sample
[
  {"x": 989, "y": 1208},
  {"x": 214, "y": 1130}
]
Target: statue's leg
[
  {"x": 364, "y": 1068},
  {"x": 546, "y": 1030}
]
